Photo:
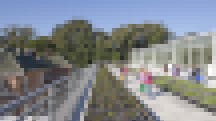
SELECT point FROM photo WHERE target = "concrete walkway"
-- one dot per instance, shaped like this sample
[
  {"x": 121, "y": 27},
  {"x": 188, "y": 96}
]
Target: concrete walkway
[
  {"x": 77, "y": 83},
  {"x": 167, "y": 107}
]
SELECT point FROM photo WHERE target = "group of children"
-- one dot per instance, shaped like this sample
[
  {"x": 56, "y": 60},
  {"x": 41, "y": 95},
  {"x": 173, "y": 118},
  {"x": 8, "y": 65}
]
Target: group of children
[
  {"x": 193, "y": 72},
  {"x": 145, "y": 79},
  {"x": 146, "y": 82}
]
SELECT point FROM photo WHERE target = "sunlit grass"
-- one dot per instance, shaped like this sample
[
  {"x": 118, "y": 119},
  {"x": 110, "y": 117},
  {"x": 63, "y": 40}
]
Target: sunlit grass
[{"x": 187, "y": 88}]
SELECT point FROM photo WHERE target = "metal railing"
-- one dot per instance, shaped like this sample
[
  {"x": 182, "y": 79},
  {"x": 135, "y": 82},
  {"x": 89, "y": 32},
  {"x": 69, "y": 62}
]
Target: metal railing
[{"x": 22, "y": 100}]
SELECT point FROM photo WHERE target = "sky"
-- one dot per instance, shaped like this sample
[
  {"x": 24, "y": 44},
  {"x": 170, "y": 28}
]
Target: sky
[{"x": 178, "y": 16}]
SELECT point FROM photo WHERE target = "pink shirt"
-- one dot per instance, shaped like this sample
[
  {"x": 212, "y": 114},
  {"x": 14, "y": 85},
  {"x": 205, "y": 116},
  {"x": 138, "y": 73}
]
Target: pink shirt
[
  {"x": 146, "y": 77},
  {"x": 124, "y": 70}
]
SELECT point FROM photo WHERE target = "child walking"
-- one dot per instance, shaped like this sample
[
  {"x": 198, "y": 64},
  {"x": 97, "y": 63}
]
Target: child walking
[{"x": 146, "y": 85}]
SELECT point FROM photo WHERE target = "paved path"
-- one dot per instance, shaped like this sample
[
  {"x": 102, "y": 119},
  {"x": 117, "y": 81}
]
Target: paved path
[
  {"x": 167, "y": 107},
  {"x": 78, "y": 82}
]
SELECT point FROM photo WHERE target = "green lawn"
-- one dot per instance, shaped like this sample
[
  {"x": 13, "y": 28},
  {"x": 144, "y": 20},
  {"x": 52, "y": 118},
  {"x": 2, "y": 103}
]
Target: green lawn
[
  {"x": 112, "y": 102},
  {"x": 187, "y": 88}
]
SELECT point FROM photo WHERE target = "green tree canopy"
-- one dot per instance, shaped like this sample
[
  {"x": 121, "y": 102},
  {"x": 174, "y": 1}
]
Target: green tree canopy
[
  {"x": 137, "y": 36},
  {"x": 75, "y": 41},
  {"x": 18, "y": 37},
  {"x": 78, "y": 43}
]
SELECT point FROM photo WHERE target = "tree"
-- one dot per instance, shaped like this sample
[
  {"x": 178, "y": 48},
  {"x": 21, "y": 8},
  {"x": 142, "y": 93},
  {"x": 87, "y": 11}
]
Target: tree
[
  {"x": 44, "y": 46},
  {"x": 18, "y": 37},
  {"x": 75, "y": 42},
  {"x": 103, "y": 46},
  {"x": 138, "y": 36}
]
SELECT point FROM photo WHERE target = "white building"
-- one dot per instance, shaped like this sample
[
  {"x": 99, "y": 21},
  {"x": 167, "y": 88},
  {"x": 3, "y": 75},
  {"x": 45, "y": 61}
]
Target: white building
[{"x": 187, "y": 51}]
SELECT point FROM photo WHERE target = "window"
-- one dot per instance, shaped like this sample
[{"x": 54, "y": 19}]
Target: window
[
  {"x": 207, "y": 55},
  {"x": 169, "y": 55},
  {"x": 186, "y": 56},
  {"x": 195, "y": 56}
]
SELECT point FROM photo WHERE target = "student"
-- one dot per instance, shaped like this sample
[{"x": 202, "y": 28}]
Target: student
[
  {"x": 146, "y": 83},
  {"x": 176, "y": 70},
  {"x": 199, "y": 77},
  {"x": 123, "y": 72},
  {"x": 190, "y": 70},
  {"x": 173, "y": 70},
  {"x": 166, "y": 69}
]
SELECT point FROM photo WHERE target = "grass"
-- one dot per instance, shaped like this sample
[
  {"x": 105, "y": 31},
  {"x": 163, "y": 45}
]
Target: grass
[
  {"x": 189, "y": 89},
  {"x": 111, "y": 101}
]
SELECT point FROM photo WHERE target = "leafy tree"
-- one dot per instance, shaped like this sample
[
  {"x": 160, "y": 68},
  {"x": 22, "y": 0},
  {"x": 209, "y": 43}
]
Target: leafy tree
[
  {"x": 18, "y": 37},
  {"x": 149, "y": 34},
  {"x": 75, "y": 41},
  {"x": 3, "y": 41},
  {"x": 137, "y": 36},
  {"x": 103, "y": 46},
  {"x": 121, "y": 43},
  {"x": 44, "y": 46}
]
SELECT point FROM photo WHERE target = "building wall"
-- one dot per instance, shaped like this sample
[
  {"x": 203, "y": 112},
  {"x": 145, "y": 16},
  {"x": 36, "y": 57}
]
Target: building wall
[{"x": 186, "y": 52}]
